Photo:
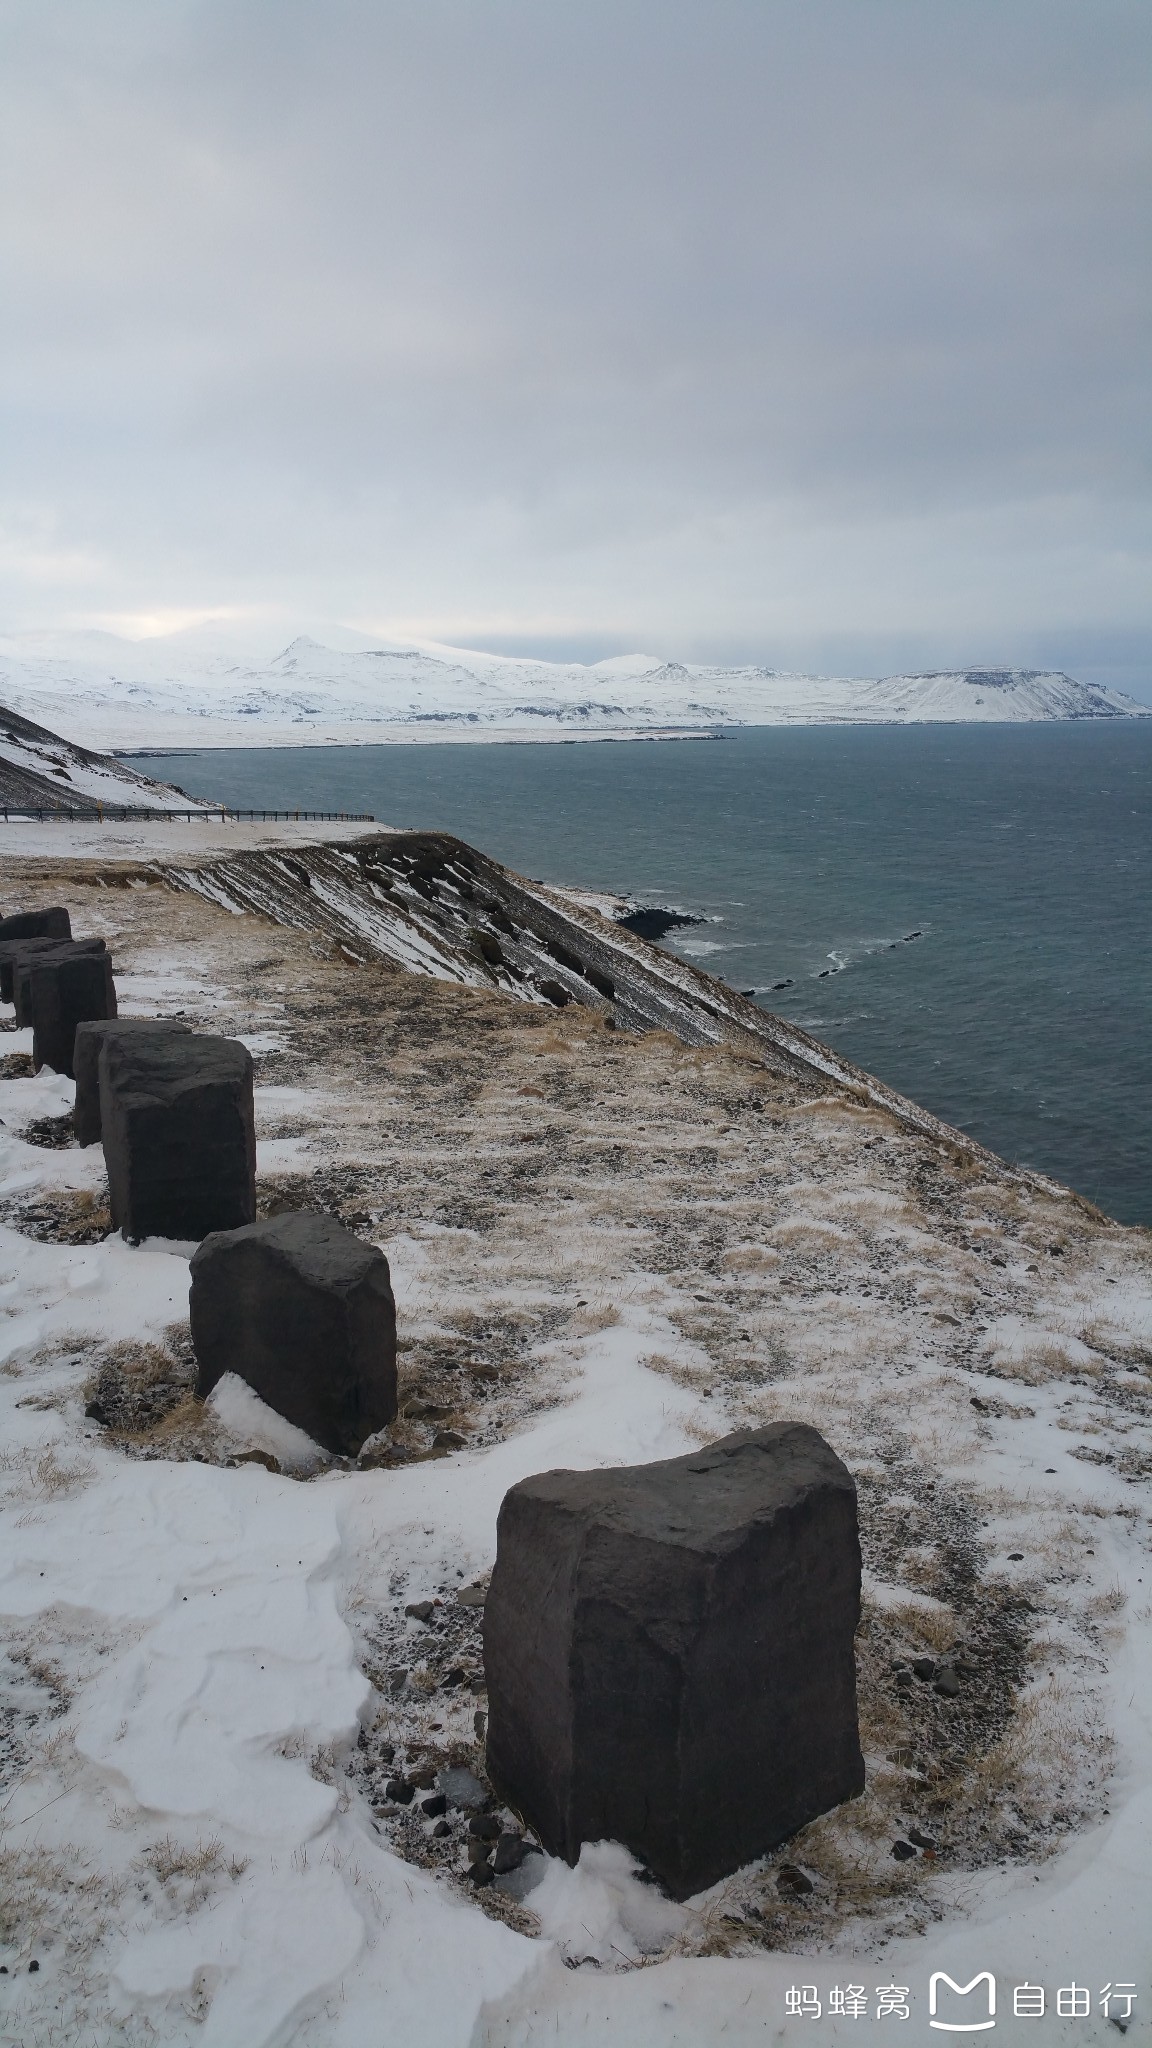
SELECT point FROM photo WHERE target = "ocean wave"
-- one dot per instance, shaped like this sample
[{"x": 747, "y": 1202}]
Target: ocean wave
[
  {"x": 864, "y": 950},
  {"x": 699, "y": 949}
]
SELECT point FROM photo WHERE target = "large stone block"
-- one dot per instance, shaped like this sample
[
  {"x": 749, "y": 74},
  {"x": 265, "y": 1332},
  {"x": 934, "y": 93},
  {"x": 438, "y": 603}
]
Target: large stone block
[
  {"x": 46, "y": 926},
  {"x": 91, "y": 1038},
  {"x": 669, "y": 1652},
  {"x": 67, "y": 987},
  {"x": 15, "y": 951},
  {"x": 36, "y": 924},
  {"x": 18, "y": 965},
  {"x": 179, "y": 1141},
  {"x": 304, "y": 1312}
]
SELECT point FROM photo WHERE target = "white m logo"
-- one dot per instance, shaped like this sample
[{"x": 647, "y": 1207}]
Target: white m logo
[{"x": 937, "y": 1978}]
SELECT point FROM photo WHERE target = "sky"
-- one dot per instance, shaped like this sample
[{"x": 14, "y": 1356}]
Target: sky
[{"x": 805, "y": 332}]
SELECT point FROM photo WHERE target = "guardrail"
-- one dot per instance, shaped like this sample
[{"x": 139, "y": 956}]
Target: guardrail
[{"x": 119, "y": 814}]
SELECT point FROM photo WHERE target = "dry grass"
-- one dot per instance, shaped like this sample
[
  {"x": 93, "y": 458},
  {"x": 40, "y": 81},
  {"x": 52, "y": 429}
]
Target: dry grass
[
  {"x": 1039, "y": 1363},
  {"x": 1112, "y": 1600},
  {"x": 55, "y": 1896},
  {"x": 1050, "y": 1766},
  {"x": 753, "y": 1258},
  {"x": 932, "y": 1629},
  {"x": 44, "y": 1475},
  {"x": 180, "y": 1867}
]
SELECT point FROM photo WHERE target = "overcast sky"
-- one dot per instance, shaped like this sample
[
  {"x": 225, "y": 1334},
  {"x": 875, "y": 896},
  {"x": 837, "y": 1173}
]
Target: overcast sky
[{"x": 813, "y": 332}]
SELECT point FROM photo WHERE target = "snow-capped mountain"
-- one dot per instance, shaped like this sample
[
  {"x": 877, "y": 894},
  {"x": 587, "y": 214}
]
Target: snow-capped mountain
[
  {"x": 182, "y": 691},
  {"x": 39, "y": 770}
]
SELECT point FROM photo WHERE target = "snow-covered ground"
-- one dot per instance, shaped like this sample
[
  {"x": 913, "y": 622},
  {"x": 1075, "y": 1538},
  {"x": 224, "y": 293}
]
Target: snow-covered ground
[
  {"x": 38, "y": 767},
  {"x": 182, "y": 691},
  {"x": 606, "y": 1248}
]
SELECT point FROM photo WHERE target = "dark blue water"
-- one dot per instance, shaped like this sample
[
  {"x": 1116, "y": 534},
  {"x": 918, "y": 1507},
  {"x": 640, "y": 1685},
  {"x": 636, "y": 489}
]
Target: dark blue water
[{"x": 1022, "y": 857}]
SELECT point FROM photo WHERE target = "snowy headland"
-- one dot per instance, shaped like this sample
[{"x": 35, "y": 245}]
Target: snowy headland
[
  {"x": 184, "y": 690},
  {"x": 608, "y": 1245}
]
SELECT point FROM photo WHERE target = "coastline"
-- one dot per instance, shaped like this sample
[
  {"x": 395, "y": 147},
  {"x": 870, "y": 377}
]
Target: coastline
[{"x": 646, "y": 1236}]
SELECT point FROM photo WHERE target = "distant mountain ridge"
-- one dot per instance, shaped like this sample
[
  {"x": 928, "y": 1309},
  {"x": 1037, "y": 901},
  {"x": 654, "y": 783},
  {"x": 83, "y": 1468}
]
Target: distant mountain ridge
[{"x": 184, "y": 691}]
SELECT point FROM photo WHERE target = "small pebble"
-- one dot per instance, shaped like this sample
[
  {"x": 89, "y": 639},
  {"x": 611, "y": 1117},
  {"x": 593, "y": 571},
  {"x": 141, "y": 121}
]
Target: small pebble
[
  {"x": 401, "y": 1790},
  {"x": 435, "y": 1806},
  {"x": 484, "y": 1826},
  {"x": 480, "y": 1874},
  {"x": 479, "y": 1852},
  {"x": 902, "y": 1851},
  {"x": 33, "y": 1965},
  {"x": 419, "y": 1610},
  {"x": 924, "y": 1667},
  {"x": 440, "y": 1830},
  {"x": 1015, "y": 1557},
  {"x": 922, "y": 1841},
  {"x": 789, "y": 1878},
  {"x": 510, "y": 1853},
  {"x": 947, "y": 1684}
]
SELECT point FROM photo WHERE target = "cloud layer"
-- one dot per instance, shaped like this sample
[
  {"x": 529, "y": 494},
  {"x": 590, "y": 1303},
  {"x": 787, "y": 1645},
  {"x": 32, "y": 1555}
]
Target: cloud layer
[{"x": 774, "y": 329}]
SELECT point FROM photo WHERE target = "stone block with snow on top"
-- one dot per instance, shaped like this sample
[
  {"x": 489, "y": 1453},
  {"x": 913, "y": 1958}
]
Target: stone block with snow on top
[
  {"x": 303, "y": 1311},
  {"x": 669, "y": 1653}
]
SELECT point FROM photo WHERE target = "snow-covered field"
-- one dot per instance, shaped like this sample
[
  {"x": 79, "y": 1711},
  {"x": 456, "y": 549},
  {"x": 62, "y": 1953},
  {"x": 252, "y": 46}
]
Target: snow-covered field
[
  {"x": 606, "y": 1247},
  {"x": 184, "y": 690}
]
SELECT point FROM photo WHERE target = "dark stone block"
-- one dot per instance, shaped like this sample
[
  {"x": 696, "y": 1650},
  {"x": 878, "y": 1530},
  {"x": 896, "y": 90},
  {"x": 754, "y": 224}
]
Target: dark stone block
[
  {"x": 303, "y": 1311},
  {"x": 12, "y": 951},
  {"x": 669, "y": 1653},
  {"x": 36, "y": 924},
  {"x": 25, "y": 952},
  {"x": 179, "y": 1142},
  {"x": 67, "y": 988},
  {"x": 91, "y": 1037},
  {"x": 49, "y": 927}
]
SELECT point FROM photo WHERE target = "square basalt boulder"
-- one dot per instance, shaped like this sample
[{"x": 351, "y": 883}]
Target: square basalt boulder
[
  {"x": 67, "y": 988},
  {"x": 179, "y": 1141},
  {"x": 91, "y": 1037},
  {"x": 303, "y": 1311},
  {"x": 669, "y": 1653},
  {"x": 53, "y": 923},
  {"x": 26, "y": 953}
]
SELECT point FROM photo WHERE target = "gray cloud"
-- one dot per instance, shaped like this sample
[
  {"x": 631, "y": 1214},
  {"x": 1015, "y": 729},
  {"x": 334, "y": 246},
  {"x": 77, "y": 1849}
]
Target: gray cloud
[{"x": 797, "y": 329}]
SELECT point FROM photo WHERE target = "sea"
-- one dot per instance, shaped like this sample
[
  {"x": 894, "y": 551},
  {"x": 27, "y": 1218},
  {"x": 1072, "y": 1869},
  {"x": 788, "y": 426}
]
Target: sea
[{"x": 965, "y": 911}]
